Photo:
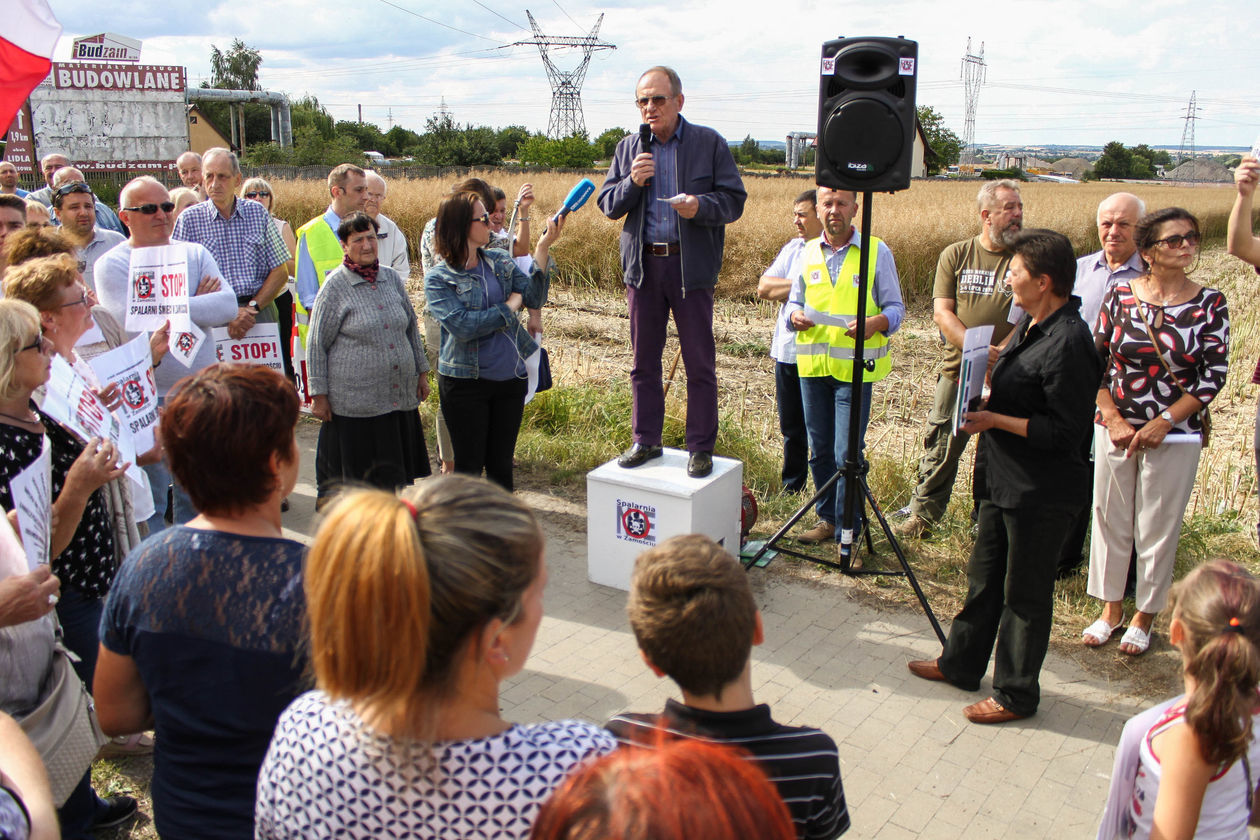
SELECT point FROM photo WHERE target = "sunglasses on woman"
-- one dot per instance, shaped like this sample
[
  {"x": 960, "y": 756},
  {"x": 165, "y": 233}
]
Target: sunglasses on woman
[
  {"x": 484, "y": 218},
  {"x": 151, "y": 209},
  {"x": 1177, "y": 240},
  {"x": 257, "y": 194},
  {"x": 39, "y": 343}
]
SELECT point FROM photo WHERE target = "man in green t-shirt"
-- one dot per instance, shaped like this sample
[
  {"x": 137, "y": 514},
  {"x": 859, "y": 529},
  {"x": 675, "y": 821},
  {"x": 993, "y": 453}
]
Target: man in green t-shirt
[{"x": 970, "y": 291}]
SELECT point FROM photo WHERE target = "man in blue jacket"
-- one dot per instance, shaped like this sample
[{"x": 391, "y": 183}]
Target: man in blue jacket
[{"x": 678, "y": 191}]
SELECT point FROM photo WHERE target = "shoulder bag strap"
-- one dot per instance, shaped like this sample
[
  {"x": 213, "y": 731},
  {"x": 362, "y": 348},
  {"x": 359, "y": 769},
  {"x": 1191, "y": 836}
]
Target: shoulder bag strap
[{"x": 1155, "y": 343}]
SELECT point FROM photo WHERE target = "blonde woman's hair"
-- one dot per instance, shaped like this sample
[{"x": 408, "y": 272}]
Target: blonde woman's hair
[
  {"x": 396, "y": 588},
  {"x": 256, "y": 184},
  {"x": 39, "y": 281},
  {"x": 184, "y": 198},
  {"x": 19, "y": 323}
]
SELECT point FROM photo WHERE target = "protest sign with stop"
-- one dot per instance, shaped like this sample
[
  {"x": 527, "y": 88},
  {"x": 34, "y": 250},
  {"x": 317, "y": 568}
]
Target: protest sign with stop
[{"x": 259, "y": 346}]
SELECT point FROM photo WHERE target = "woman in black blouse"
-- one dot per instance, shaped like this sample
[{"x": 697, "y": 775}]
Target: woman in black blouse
[
  {"x": 1036, "y": 426},
  {"x": 82, "y": 546}
]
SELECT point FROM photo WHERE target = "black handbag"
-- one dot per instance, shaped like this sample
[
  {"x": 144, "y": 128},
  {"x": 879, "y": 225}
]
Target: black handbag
[{"x": 544, "y": 371}]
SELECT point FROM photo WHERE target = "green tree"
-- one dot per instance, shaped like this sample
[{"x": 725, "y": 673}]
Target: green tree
[
  {"x": 572, "y": 152},
  {"x": 749, "y": 150},
  {"x": 944, "y": 142},
  {"x": 402, "y": 139},
  {"x": 308, "y": 113},
  {"x": 510, "y": 139},
  {"x": 606, "y": 143},
  {"x": 236, "y": 69},
  {"x": 1116, "y": 161}
]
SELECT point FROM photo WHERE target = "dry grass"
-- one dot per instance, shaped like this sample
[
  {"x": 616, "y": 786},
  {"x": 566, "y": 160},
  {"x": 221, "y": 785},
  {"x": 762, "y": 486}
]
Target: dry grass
[{"x": 916, "y": 223}]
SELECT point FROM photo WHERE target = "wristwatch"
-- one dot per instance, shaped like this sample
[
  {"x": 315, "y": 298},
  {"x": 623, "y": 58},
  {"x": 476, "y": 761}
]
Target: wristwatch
[
  {"x": 1167, "y": 415},
  {"x": 253, "y": 304}
]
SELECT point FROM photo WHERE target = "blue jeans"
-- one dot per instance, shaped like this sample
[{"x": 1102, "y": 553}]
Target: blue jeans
[
  {"x": 828, "y": 406},
  {"x": 80, "y": 617},
  {"x": 160, "y": 477}
]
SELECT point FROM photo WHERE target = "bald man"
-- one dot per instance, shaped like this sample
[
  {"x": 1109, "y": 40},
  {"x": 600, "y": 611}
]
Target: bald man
[
  {"x": 391, "y": 245},
  {"x": 189, "y": 167},
  {"x": 49, "y": 165},
  {"x": 9, "y": 180},
  {"x": 1096, "y": 273}
]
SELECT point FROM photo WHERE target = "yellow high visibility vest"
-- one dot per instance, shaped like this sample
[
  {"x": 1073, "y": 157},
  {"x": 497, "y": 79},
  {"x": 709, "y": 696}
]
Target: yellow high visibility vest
[
  {"x": 824, "y": 349},
  {"x": 325, "y": 250}
]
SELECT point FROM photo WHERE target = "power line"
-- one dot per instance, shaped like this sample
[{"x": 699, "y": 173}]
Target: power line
[
  {"x": 496, "y": 14},
  {"x": 570, "y": 17},
  {"x": 439, "y": 23}
]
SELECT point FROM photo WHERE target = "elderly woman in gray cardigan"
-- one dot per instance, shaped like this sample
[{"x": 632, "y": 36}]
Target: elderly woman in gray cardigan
[{"x": 367, "y": 370}]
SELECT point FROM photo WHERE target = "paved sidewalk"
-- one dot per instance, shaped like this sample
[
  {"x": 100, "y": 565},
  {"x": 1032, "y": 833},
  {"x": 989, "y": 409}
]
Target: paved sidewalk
[{"x": 912, "y": 765}]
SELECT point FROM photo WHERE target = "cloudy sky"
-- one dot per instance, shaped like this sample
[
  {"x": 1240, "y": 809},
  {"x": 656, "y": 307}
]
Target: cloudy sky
[{"x": 1065, "y": 72}]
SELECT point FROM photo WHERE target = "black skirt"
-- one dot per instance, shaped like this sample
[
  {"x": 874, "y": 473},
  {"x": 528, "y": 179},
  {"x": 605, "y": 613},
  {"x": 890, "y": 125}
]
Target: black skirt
[{"x": 386, "y": 451}]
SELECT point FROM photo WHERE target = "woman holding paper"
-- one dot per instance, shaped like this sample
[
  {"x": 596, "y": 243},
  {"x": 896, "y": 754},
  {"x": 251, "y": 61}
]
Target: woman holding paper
[
  {"x": 1036, "y": 425},
  {"x": 1165, "y": 339},
  {"x": 82, "y": 543},
  {"x": 366, "y": 368},
  {"x": 476, "y": 295}
]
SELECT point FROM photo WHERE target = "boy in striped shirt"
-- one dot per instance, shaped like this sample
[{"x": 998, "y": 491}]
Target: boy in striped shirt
[{"x": 693, "y": 614}]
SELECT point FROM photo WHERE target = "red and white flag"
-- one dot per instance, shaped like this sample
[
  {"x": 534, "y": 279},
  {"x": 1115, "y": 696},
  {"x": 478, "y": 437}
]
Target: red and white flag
[{"x": 28, "y": 36}]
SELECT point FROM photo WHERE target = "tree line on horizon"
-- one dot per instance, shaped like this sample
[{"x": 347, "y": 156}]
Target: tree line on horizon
[{"x": 318, "y": 139}]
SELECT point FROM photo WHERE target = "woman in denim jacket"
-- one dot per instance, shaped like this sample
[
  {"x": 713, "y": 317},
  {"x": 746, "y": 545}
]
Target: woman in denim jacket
[{"x": 481, "y": 361}]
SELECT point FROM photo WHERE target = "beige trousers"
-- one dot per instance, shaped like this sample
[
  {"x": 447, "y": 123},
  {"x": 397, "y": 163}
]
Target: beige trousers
[{"x": 1138, "y": 501}]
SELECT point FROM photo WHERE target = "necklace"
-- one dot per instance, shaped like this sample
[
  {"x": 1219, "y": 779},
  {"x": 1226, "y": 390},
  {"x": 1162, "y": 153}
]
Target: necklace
[
  {"x": 34, "y": 422},
  {"x": 1149, "y": 282}
]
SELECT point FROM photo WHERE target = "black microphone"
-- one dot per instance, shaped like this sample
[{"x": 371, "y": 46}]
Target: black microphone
[{"x": 645, "y": 137}]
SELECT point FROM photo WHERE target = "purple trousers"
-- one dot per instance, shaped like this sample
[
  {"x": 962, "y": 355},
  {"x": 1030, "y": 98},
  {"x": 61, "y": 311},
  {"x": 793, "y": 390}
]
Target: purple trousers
[{"x": 650, "y": 306}]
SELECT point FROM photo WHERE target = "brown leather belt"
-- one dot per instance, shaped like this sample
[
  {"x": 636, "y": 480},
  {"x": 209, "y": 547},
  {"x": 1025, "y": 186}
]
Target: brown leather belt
[{"x": 662, "y": 249}]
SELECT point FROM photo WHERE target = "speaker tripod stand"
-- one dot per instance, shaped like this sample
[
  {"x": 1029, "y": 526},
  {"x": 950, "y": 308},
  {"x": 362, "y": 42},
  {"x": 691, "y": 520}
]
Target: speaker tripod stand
[{"x": 857, "y": 492}]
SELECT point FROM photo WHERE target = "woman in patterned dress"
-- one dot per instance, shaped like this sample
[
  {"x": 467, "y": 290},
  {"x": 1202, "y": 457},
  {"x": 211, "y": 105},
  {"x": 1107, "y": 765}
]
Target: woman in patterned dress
[
  {"x": 1165, "y": 342},
  {"x": 419, "y": 608}
]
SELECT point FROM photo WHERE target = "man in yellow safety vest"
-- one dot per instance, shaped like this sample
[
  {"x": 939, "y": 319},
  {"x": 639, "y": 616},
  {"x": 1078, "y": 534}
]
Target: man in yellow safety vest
[
  {"x": 822, "y": 308},
  {"x": 318, "y": 249}
]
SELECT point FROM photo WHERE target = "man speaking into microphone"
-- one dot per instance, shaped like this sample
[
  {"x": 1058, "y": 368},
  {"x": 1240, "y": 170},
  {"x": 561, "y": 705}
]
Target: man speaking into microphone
[{"x": 677, "y": 185}]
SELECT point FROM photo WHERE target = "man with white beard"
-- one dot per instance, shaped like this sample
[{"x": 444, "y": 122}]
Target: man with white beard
[{"x": 970, "y": 291}]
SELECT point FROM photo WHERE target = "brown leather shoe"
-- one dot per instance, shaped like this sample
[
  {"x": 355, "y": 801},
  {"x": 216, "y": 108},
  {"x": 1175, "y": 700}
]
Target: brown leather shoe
[
  {"x": 926, "y": 669},
  {"x": 989, "y": 710},
  {"x": 824, "y": 531},
  {"x": 913, "y": 527}
]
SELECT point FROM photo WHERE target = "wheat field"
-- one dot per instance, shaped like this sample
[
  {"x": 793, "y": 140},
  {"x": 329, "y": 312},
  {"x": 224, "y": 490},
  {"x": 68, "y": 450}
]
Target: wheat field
[{"x": 916, "y": 223}]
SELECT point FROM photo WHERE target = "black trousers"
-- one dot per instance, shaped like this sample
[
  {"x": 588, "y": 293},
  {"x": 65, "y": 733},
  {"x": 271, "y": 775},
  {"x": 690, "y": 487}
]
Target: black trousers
[
  {"x": 787, "y": 392},
  {"x": 484, "y": 418},
  {"x": 1010, "y": 600}
]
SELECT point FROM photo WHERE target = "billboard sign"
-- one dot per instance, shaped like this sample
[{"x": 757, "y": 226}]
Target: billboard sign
[
  {"x": 107, "y": 46},
  {"x": 112, "y": 117}
]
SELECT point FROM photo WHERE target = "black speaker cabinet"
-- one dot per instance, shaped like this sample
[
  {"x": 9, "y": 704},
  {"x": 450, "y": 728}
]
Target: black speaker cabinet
[{"x": 866, "y": 118}]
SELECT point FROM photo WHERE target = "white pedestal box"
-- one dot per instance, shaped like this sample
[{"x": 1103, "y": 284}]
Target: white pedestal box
[{"x": 628, "y": 511}]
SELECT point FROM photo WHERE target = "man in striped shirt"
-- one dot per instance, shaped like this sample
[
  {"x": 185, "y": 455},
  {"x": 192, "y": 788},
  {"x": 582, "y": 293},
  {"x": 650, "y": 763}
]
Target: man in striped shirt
[{"x": 693, "y": 614}]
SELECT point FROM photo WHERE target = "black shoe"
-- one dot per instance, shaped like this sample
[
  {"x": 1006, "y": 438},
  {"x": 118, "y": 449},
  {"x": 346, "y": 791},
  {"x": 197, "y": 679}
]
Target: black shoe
[
  {"x": 118, "y": 810},
  {"x": 638, "y": 455},
  {"x": 700, "y": 464}
]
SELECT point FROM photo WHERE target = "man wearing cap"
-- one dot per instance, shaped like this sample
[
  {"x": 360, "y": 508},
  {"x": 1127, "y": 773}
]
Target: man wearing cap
[{"x": 74, "y": 205}]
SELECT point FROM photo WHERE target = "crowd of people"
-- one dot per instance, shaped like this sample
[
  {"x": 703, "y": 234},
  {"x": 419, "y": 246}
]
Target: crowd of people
[{"x": 353, "y": 687}]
